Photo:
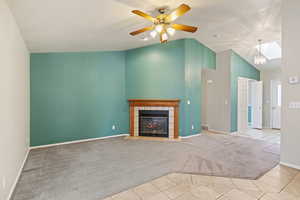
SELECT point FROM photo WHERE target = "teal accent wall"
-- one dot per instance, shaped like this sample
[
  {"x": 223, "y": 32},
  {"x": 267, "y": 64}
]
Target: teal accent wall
[
  {"x": 157, "y": 71},
  {"x": 172, "y": 70},
  {"x": 81, "y": 95},
  {"x": 197, "y": 56},
  {"x": 239, "y": 68},
  {"x": 77, "y": 96}
]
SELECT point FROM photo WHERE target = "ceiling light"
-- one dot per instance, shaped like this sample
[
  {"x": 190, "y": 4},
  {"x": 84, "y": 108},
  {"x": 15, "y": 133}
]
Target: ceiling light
[
  {"x": 159, "y": 28},
  {"x": 153, "y": 34},
  {"x": 164, "y": 36},
  {"x": 171, "y": 31},
  {"x": 216, "y": 36},
  {"x": 259, "y": 59},
  {"x": 145, "y": 38}
]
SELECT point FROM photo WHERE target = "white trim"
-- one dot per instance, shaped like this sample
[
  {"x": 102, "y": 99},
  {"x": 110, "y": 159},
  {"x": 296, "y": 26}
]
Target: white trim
[
  {"x": 12, "y": 189},
  {"x": 271, "y": 120},
  {"x": 77, "y": 141},
  {"x": 189, "y": 136},
  {"x": 290, "y": 165},
  {"x": 217, "y": 131},
  {"x": 266, "y": 127}
]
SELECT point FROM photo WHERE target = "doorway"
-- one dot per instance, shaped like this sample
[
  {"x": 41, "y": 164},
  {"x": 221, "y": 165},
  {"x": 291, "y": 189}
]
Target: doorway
[
  {"x": 250, "y": 94},
  {"x": 275, "y": 104}
]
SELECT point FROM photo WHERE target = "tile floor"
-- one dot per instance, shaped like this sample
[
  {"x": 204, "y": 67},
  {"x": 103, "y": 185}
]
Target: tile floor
[
  {"x": 280, "y": 183},
  {"x": 269, "y": 135}
]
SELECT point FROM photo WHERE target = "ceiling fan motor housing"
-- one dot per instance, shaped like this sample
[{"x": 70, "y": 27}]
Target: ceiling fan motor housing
[{"x": 163, "y": 10}]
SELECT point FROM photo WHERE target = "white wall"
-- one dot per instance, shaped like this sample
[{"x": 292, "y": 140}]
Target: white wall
[
  {"x": 290, "y": 137},
  {"x": 216, "y": 95},
  {"x": 266, "y": 77},
  {"x": 14, "y": 101}
]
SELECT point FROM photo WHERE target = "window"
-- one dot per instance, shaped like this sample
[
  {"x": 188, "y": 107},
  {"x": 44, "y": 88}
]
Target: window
[{"x": 271, "y": 50}]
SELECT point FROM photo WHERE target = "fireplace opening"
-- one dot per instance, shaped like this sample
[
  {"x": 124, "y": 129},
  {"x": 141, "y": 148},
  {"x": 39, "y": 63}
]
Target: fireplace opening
[{"x": 154, "y": 123}]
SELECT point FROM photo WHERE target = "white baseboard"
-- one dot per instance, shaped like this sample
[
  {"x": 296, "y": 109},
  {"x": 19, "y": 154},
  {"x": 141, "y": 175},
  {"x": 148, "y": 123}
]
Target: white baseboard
[
  {"x": 12, "y": 189},
  {"x": 290, "y": 165},
  {"x": 189, "y": 136},
  {"x": 77, "y": 141},
  {"x": 217, "y": 131}
]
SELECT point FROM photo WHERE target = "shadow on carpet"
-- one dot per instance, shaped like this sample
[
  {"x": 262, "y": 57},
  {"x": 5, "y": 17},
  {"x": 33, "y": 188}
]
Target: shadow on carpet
[{"x": 229, "y": 156}]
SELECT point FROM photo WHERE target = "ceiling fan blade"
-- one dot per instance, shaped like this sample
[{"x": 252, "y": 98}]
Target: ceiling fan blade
[
  {"x": 149, "y": 28},
  {"x": 181, "y": 27},
  {"x": 142, "y": 14},
  {"x": 181, "y": 10}
]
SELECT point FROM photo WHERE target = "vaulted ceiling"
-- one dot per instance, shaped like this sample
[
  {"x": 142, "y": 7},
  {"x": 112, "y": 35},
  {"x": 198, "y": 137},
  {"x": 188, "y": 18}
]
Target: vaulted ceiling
[{"x": 89, "y": 25}]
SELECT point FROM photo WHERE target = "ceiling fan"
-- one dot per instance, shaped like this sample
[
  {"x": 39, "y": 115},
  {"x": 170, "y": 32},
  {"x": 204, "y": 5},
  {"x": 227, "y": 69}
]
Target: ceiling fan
[{"x": 162, "y": 24}]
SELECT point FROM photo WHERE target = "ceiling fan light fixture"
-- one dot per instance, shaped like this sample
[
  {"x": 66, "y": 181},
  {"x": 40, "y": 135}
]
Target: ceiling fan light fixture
[
  {"x": 159, "y": 28},
  {"x": 171, "y": 31},
  {"x": 153, "y": 34},
  {"x": 164, "y": 36},
  {"x": 163, "y": 24}
]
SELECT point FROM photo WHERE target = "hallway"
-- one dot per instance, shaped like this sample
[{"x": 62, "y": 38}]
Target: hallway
[{"x": 269, "y": 135}]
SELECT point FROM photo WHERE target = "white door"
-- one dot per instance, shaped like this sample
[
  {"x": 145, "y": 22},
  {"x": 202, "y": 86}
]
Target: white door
[
  {"x": 242, "y": 105},
  {"x": 275, "y": 104},
  {"x": 257, "y": 93}
]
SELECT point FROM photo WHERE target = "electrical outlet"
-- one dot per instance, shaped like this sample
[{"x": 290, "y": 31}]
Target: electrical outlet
[
  {"x": 188, "y": 102},
  {"x": 113, "y": 127},
  {"x": 193, "y": 127}
]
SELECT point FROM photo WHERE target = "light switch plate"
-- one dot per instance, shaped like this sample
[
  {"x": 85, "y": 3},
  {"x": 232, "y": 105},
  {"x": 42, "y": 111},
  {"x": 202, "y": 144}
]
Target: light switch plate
[
  {"x": 293, "y": 80},
  {"x": 294, "y": 105}
]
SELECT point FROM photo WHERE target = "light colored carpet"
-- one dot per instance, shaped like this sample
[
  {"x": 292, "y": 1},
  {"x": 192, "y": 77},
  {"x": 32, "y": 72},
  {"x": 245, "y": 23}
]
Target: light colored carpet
[{"x": 94, "y": 170}]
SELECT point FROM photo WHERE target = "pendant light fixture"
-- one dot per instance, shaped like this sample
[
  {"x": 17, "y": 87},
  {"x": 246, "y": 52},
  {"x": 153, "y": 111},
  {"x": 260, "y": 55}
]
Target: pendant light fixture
[{"x": 259, "y": 59}]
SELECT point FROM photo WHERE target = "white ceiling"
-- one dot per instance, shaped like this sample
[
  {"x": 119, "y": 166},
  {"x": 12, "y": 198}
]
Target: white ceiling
[{"x": 89, "y": 25}]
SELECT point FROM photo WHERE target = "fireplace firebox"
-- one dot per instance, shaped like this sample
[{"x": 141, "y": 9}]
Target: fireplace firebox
[{"x": 154, "y": 123}]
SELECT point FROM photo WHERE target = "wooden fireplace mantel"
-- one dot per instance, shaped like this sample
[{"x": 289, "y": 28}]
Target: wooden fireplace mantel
[{"x": 154, "y": 103}]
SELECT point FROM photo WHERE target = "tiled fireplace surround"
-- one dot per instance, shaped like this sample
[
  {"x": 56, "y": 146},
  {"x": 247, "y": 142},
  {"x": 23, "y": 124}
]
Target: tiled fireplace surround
[{"x": 172, "y": 105}]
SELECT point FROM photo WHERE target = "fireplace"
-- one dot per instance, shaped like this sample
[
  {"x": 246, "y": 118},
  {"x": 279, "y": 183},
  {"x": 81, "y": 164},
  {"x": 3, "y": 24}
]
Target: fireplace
[
  {"x": 154, "y": 123},
  {"x": 154, "y": 118}
]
